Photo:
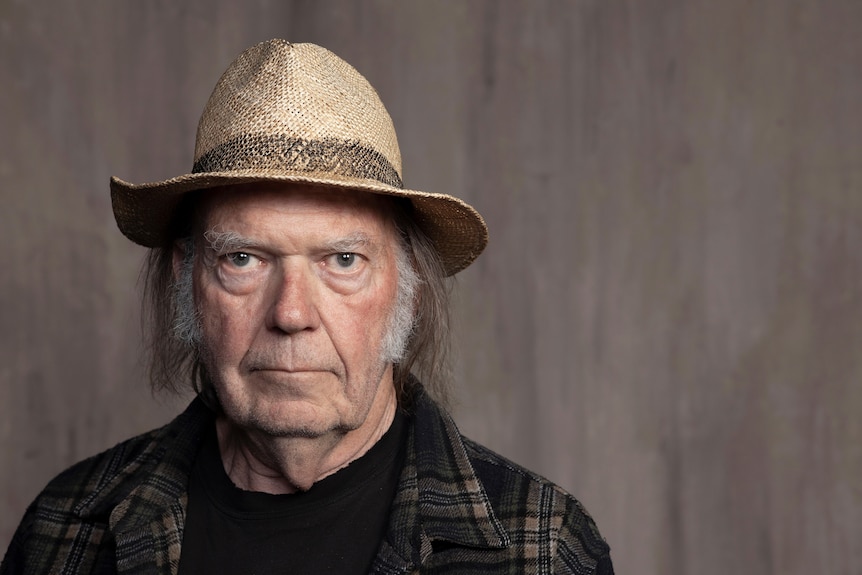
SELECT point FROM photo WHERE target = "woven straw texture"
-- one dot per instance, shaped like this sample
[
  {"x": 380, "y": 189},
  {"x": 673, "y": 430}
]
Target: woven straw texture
[{"x": 297, "y": 113}]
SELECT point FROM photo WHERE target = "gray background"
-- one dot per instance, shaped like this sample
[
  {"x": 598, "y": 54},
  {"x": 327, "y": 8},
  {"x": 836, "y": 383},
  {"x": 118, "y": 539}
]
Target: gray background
[{"x": 666, "y": 321}]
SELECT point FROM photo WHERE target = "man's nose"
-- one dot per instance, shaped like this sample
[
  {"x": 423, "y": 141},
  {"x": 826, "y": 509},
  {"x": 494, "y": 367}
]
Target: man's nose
[{"x": 293, "y": 307}]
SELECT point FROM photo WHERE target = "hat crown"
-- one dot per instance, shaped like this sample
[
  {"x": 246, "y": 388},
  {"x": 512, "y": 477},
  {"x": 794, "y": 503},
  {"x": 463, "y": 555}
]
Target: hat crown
[
  {"x": 297, "y": 108},
  {"x": 296, "y": 113}
]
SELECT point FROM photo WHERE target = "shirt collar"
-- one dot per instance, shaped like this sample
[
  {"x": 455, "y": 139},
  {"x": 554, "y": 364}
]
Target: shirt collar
[{"x": 440, "y": 496}]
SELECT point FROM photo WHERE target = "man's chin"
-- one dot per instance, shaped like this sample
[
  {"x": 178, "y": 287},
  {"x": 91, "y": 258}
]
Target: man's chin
[
  {"x": 292, "y": 420},
  {"x": 293, "y": 432}
]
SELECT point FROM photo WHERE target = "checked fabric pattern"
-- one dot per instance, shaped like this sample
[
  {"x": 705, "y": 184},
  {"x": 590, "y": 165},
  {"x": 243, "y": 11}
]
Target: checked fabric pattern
[{"x": 460, "y": 508}]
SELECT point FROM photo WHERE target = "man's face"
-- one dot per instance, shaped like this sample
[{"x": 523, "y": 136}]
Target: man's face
[{"x": 295, "y": 289}]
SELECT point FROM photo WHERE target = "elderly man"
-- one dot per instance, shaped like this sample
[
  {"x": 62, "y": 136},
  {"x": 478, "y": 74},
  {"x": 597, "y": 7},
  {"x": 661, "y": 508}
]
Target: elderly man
[{"x": 297, "y": 285}]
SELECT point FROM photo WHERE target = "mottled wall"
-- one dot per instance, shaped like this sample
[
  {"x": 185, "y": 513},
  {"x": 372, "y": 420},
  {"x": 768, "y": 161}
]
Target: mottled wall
[{"x": 665, "y": 322}]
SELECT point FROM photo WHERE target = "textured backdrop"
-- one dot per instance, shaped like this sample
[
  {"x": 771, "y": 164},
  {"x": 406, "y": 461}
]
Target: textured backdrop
[{"x": 666, "y": 322}]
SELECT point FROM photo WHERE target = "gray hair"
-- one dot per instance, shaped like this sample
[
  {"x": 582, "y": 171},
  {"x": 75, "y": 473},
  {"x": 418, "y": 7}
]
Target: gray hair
[{"x": 416, "y": 341}]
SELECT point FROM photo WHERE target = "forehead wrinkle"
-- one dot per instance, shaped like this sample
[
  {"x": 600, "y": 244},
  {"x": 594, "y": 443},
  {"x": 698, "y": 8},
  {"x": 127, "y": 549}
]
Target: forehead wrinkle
[{"x": 352, "y": 223}]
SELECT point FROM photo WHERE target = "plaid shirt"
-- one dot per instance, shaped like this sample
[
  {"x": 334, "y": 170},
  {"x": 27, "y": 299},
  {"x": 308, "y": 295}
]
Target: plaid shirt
[{"x": 459, "y": 508}]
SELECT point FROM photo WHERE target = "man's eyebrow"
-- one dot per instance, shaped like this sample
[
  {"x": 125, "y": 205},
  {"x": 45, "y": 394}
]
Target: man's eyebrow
[
  {"x": 226, "y": 241},
  {"x": 350, "y": 243},
  {"x": 223, "y": 241}
]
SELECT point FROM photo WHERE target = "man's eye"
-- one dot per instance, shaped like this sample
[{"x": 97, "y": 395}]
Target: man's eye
[
  {"x": 239, "y": 259},
  {"x": 345, "y": 260}
]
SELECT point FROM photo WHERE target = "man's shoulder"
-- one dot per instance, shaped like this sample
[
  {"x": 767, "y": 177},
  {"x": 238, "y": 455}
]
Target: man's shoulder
[
  {"x": 88, "y": 476},
  {"x": 115, "y": 471},
  {"x": 71, "y": 500},
  {"x": 70, "y": 516},
  {"x": 499, "y": 509},
  {"x": 497, "y": 471},
  {"x": 91, "y": 487},
  {"x": 529, "y": 506}
]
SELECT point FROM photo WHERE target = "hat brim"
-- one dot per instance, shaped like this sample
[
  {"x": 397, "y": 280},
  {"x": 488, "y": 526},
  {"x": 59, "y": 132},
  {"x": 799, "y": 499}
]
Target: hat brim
[{"x": 144, "y": 212}]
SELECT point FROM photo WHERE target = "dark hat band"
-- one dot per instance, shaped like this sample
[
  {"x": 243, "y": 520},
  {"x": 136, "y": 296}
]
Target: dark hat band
[{"x": 347, "y": 158}]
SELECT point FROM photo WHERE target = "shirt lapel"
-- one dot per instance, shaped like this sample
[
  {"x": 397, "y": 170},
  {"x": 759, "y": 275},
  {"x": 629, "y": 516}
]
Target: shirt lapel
[
  {"x": 439, "y": 498},
  {"x": 146, "y": 498}
]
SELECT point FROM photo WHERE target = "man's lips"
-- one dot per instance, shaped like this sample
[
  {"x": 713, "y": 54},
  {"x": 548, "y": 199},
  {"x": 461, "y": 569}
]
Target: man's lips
[
  {"x": 283, "y": 371},
  {"x": 289, "y": 369}
]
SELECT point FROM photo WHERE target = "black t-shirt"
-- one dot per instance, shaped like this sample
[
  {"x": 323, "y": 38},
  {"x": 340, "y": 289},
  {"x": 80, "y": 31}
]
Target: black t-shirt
[{"x": 334, "y": 527}]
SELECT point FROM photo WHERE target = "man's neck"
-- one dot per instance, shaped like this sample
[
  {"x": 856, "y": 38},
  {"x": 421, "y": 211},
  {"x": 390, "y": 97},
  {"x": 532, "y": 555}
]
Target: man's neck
[{"x": 255, "y": 461}]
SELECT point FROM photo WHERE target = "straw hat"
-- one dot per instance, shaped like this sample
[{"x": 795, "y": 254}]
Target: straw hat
[{"x": 286, "y": 112}]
